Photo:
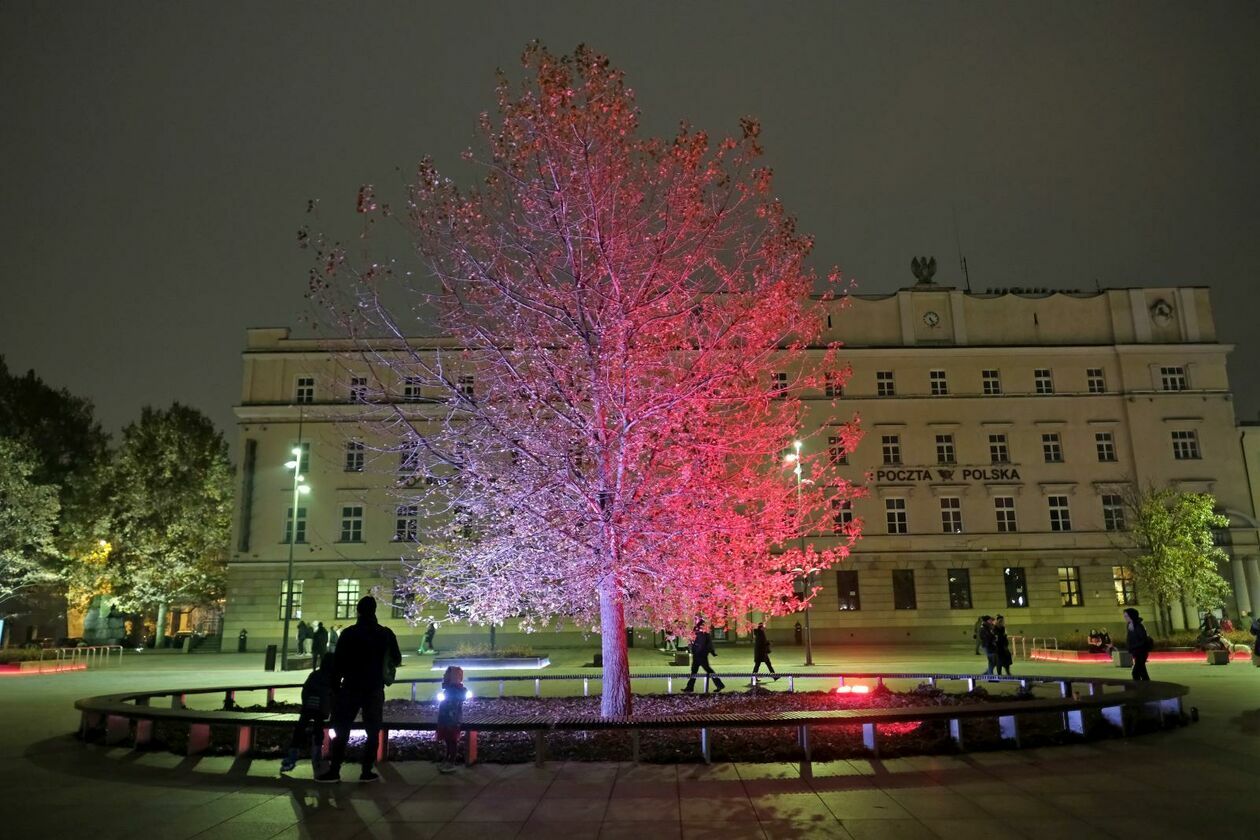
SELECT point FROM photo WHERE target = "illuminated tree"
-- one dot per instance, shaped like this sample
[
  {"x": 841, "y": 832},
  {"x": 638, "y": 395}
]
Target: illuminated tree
[
  {"x": 28, "y": 523},
  {"x": 635, "y": 330}
]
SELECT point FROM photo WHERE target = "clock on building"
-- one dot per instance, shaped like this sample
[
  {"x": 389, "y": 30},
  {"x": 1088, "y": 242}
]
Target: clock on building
[{"x": 931, "y": 318}]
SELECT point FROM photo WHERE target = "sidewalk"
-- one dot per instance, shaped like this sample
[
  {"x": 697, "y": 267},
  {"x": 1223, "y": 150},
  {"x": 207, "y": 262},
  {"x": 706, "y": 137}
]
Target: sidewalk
[{"x": 1192, "y": 782}]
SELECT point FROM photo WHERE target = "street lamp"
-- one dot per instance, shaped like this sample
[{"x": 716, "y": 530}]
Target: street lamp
[
  {"x": 300, "y": 488},
  {"x": 794, "y": 458}
]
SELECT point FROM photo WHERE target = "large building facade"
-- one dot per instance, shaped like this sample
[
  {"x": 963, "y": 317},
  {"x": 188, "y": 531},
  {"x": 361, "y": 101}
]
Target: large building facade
[{"x": 1002, "y": 432}]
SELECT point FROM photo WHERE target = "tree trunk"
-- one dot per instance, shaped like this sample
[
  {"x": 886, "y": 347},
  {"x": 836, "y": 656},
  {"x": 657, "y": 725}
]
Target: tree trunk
[
  {"x": 159, "y": 626},
  {"x": 615, "y": 699}
]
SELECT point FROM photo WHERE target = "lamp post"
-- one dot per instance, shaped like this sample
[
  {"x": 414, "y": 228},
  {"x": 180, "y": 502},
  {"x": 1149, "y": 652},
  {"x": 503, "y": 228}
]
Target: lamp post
[
  {"x": 794, "y": 458},
  {"x": 300, "y": 488}
]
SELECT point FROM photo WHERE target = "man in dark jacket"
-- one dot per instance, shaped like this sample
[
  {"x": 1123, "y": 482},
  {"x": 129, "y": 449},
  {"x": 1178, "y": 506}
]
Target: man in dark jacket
[
  {"x": 988, "y": 642},
  {"x": 1139, "y": 643},
  {"x": 303, "y": 633},
  {"x": 761, "y": 649},
  {"x": 701, "y": 650},
  {"x": 365, "y": 651},
  {"x": 319, "y": 644}
]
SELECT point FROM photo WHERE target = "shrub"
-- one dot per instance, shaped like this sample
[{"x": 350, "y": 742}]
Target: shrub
[
  {"x": 8, "y": 655},
  {"x": 499, "y": 652}
]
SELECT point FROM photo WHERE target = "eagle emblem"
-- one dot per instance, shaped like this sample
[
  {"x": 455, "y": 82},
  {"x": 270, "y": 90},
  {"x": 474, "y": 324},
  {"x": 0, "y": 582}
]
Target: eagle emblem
[{"x": 924, "y": 268}]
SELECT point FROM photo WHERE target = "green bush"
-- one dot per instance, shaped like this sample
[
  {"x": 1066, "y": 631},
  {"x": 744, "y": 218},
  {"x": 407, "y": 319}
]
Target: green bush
[
  {"x": 9, "y": 655},
  {"x": 484, "y": 651},
  {"x": 1177, "y": 639}
]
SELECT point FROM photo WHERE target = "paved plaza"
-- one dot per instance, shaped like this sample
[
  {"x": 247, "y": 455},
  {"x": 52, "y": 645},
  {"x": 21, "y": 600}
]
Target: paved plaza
[{"x": 1192, "y": 782}]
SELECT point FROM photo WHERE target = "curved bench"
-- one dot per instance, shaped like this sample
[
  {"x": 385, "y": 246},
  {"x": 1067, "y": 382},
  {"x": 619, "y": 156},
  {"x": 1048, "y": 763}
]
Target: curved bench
[{"x": 132, "y": 715}]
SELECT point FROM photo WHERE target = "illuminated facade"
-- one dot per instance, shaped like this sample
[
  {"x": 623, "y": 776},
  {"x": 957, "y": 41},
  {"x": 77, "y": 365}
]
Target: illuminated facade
[{"x": 1001, "y": 431}]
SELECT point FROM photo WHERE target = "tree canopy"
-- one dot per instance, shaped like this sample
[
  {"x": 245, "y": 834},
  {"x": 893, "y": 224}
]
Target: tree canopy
[{"x": 28, "y": 522}]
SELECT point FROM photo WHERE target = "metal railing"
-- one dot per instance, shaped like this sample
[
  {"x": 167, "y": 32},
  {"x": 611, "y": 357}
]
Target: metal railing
[
  {"x": 90, "y": 655},
  {"x": 1047, "y": 643}
]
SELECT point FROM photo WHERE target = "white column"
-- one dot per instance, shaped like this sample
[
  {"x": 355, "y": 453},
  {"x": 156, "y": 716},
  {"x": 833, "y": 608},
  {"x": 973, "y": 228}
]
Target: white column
[
  {"x": 1252, "y": 565},
  {"x": 1242, "y": 593}
]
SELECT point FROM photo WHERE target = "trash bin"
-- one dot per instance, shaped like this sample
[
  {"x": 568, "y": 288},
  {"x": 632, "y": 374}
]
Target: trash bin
[
  {"x": 1121, "y": 659},
  {"x": 242, "y": 641},
  {"x": 269, "y": 661}
]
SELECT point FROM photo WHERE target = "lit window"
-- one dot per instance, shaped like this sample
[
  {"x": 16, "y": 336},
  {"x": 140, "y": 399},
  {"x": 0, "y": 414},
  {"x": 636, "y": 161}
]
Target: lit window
[
  {"x": 938, "y": 384},
  {"x": 1113, "y": 513},
  {"x": 1125, "y": 585},
  {"x": 352, "y": 523},
  {"x": 999, "y": 452},
  {"x": 1043, "y": 382},
  {"x": 890, "y": 446},
  {"x": 305, "y": 390},
  {"x": 836, "y": 452},
  {"x": 297, "y": 598},
  {"x": 959, "y": 589},
  {"x": 1060, "y": 516},
  {"x": 1185, "y": 445},
  {"x": 1070, "y": 585},
  {"x": 847, "y": 589},
  {"x": 301, "y": 524},
  {"x": 1004, "y": 511},
  {"x": 354, "y": 456},
  {"x": 904, "y": 596},
  {"x": 1052, "y": 448},
  {"x": 951, "y": 515},
  {"x": 1173, "y": 379},
  {"x": 347, "y": 598},
  {"x": 991, "y": 381},
  {"x": 945, "y": 449},
  {"x": 1016, "y": 586},
  {"x": 1105, "y": 443},
  {"x": 885, "y": 385},
  {"x": 895, "y": 514},
  {"x": 1095, "y": 381},
  {"x": 405, "y": 529}
]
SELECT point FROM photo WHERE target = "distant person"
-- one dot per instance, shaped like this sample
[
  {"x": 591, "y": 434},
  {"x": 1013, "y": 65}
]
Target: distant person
[
  {"x": 975, "y": 633},
  {"x": 701, "y": 650},
  {"x": 426, "y": 645},
  {"x": 319, "y": 644},
  {"x": 1139, "y": 643},
  {"x": 761, "y": 649},
  {"x": 988, "y": 642},
  {"x": 366, "y": 654},
  {"x": 1003, "y": 644},
  {"x": 317, "y": 701},
  {"x": 333, "y": 633},
  {"x": 303, "y": 633},
  {"x": 450, "y": 716}
]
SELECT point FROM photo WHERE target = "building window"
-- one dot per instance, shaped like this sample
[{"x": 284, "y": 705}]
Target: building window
[
  {"x": 891, "y": 448},
  {"x": 1052, "y": 448},
  {"x": 305, "y": 390},
  {"x": 405, "y": 529},
  {"x": 1016, "y": 586},
  {"x": 358, "y": 389},
  {"x": 409, "y": 459},
  {"x": 398, "y": 601},
  {"x": 1043, "y": 382},
  {"x": 412, "y": 389},
  {"x": 778, "y": 385},
  {"x": 1070, "y": 585},
  {"x": 1094, "y": 381},
  {"x": 1173, "y": 379},
  {"x": 354, "y": 456},
  {"x": 304, "y": 461},
  {"x": 841, "y": 516},
  {"x": 999, "y": 452},
  {"x": 903, "y": 590},
  {"x": 847, "y": 589},
  {"x": 1060, "y": 516},
  {"x": 951, "y": 515},
  {"x": 301, "y": 525},
  {"x": 833, "y": 385},
  {"x": 1113, "y": 513},
  {"x": 352, "y": 523},
  {"x": 836, "y": 452},
  {"x": 991, "y": 382},
  {"x": 885, "y": 386},
  {"x": 297, "y": 598},
  {"x": 945, "y": 450},
  {"x": 895, "y": 513},
  {"x": 938, "y": 383},
  {"x": 1186, "y": 445},
  {"x": 1125, "y": 584},
  {"x": 467, "y": 386},
  {"x": 1105, "y": 443},
  {"x": 959, "y": 589},
  {"x": 347, "y": 598},
  {"x": 1004, "y": 511}
]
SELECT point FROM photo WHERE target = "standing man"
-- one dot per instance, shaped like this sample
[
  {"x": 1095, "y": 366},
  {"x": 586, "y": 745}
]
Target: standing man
[
  {"x": 975, "y": 633},
  {"x": 365, "y": 652},
  {"x": 319, "y": 644},
  {"x": 701, "y": 650},
  {"x": 303, "y": 633},
  {"x": 1139, "y": 643},
  {"x": 988, "y": 642},
  {"x": 761, "y": 649},
  {"x": 332, "y": 637}
]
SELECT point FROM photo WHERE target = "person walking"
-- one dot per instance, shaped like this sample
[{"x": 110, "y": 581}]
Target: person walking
[
  {"x": 426, "y": 645},
  {"x": 701, "y": 650},
  {"x": 1139, "y": 643},
  {"x": 450, "y": 715},
  {"x": 366, "y": 657},
  {"x": 303, "y": 633},
  {"x": 988, "y": 642},
  {"x": 975, "y": 633},
  {"x": 319, "y": 644},
  {"x": 1003, "y": 644},
  {"x": 316, "y": 707},
  {"x": 761, "y": 649}
]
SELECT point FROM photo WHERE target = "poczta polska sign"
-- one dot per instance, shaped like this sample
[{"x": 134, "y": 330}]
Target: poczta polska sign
[{"x": 948, "y": 474}]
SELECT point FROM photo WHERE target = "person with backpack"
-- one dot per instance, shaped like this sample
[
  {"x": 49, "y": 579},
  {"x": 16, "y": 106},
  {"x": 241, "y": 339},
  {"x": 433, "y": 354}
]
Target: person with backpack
[
  {"x": 367, "y": 655},
  {"x": 761, "y": 649},
  {"x": 317, "y": 699},
  {"x": 1139, "y": 643},
  {"x": 701, "y": 650}
]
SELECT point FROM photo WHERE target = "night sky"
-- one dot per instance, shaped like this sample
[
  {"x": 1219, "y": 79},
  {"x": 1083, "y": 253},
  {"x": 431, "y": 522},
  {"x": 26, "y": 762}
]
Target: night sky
[{"x": 156, "y": 159}]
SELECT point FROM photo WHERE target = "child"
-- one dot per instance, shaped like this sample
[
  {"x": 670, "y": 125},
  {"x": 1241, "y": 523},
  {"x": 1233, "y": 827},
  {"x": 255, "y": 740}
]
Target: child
[
  {"x": 450, "y": 714},
  {"x": 316, "y": 707}
]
